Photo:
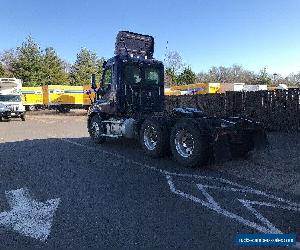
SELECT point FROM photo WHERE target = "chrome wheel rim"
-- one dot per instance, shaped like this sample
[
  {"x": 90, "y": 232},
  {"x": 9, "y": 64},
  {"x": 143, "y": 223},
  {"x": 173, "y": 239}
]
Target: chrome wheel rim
[
  {"x": 150, "y": 138},
  {"x": 184, "y": 143}
]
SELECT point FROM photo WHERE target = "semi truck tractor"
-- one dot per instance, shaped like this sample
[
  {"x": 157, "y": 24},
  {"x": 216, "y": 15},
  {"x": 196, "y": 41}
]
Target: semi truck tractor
[
  {"x": 130, "y": 103},
  {"x": 11, "y": 98}
]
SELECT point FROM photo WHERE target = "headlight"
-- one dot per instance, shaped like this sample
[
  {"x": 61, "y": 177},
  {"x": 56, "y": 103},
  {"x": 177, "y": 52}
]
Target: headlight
[
  {"x": 9, "y": 107},
  {"x": 3, "y": 107}
]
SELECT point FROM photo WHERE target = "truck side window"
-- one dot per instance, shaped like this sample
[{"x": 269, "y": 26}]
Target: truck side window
[
  {"x": 107, "y": 80},
  {"x": 132, "y": 74},
  {"x": 152, "y": 76}
]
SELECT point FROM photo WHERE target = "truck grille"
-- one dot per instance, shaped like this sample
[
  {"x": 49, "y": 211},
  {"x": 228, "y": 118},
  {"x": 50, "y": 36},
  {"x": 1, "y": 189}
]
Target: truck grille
[{"x": 12, "y": 107}]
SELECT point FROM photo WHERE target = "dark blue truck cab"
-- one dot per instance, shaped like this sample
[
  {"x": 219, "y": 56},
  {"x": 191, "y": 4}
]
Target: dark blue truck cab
[{"x": 130, "y": 103}]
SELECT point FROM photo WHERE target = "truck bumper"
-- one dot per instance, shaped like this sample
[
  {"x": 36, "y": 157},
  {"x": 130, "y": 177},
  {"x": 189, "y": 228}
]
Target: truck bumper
[
  {"x": 15, "y": 114},
  {"x": 5, "y": 114}
]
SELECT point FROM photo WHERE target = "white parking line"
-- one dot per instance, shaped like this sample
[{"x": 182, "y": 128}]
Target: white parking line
[
  {"x": 237, "y": 187},
  {"x": 265, "y": 227}
]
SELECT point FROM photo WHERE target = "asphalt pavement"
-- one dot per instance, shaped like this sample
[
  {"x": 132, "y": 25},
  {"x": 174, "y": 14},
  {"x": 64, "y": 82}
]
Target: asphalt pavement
[{"x": 113, "y": 196}]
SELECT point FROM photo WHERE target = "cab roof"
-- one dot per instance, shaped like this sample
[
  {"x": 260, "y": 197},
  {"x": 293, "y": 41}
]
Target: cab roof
[
  {"x": 134, "y": 44},
  {"x": 133, "y": 59}
]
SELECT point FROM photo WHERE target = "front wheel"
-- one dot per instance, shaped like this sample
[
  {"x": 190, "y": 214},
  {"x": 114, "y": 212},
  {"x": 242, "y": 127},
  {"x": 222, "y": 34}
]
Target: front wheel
[
  {"x": 189, "y": 145},
  {"x": 23, "y": 117},
  {"x": 96, "y": 129},
  {"x": 31, "y": 108}
]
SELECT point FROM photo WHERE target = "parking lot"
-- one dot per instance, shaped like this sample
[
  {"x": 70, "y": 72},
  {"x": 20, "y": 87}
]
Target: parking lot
[{"x": 112, "y": 195}]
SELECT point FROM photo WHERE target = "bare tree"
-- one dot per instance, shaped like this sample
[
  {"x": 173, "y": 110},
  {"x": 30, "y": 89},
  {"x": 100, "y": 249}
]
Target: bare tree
[
  {"x": 173, "y": 61},
  {"x": 293, "y": 79},
  {"x": 8, "y": 60},
  {"x": 203, "y": 77}
]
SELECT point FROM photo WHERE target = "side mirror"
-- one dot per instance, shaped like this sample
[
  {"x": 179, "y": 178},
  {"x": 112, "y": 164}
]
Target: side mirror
[{"x": 93, "y": 81}]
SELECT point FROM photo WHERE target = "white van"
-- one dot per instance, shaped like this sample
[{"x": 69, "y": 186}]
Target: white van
[{"x": 10, "y": 98}]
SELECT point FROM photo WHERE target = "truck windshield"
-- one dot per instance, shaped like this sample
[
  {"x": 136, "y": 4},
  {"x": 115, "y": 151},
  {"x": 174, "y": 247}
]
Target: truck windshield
[
  {"x": 133, "y": 75},
  {"x": 152, "y": 75},
  {"x": 10, "y": 98}
]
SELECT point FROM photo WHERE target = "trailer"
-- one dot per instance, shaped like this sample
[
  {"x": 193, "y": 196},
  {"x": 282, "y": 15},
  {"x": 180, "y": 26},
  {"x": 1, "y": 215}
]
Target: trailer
[
  {"x": 194, "y": 89},
  {"x": 237, "y": 86},
  {"x": 32, "y": 98},
  {"x": 255, "y": 87},
  {"x": 65, "y": 97},
  {"x": 130, "y": 103}
]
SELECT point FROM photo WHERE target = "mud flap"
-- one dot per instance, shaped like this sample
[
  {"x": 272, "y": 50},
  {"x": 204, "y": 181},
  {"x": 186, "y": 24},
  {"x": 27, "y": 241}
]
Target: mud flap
[
  {"x": 221, "y": 149},
  {"x": 260, "y": 139}
]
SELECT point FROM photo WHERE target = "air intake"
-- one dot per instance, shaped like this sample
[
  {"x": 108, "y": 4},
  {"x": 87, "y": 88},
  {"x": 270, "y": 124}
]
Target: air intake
[{"x": 133, "y": 44}]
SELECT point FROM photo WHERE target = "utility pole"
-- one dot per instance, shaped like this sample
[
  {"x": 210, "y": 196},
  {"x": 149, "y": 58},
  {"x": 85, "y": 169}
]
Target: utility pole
[{"x": 274, "y": 78}]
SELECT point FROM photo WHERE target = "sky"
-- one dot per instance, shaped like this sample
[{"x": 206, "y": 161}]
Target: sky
[{"x": 206, "y": 33}]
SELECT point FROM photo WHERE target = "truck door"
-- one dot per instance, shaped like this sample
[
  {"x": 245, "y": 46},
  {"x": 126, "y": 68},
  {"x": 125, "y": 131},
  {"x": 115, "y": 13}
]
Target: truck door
[
  {"x": 132, "y": 77},
  {"x": 106, "y": 85},
  {"x": 106, "y": 94},
  {"x": 152, "y": 89}
]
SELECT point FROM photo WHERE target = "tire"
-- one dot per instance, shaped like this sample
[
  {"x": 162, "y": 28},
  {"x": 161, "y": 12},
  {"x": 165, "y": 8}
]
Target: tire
[
  {"x": 154, "y": 138},
  {"x": 96, "y": 128},
  {"x": 23, "y": 117},
  {"x": 4, "y": 119},
  {"x": 31, "y": 108},
  {"x": 189, "y": 144},
  {"x": 67, "y": 110},
  {"x": 63, "y": 109}
]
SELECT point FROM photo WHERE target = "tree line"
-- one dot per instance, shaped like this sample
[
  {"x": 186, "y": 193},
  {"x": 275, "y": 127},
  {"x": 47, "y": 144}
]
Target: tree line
[
  {"x": 177, "y": 73},
  {"x": 38, "y": 67}
]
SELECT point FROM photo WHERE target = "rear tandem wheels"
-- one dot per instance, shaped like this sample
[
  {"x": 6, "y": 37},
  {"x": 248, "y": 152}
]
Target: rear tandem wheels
[
  {"x": 184, "y": 140},
  {"x": 188, "y": 140}
]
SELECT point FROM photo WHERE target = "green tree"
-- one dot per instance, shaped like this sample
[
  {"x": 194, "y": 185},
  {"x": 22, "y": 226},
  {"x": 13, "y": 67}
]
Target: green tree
[
  {"x": 187, "y": 77},
  {"x": 85, "y": 65},
  {"x": 170, "y": 77},
  {"x": 99, "y": 68},
  {"x": 264, "y": 77},
  {"x": 28, "y": 65},
  {"x": 53, "y": 68},
  {"x": 2, "y": 71}
]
